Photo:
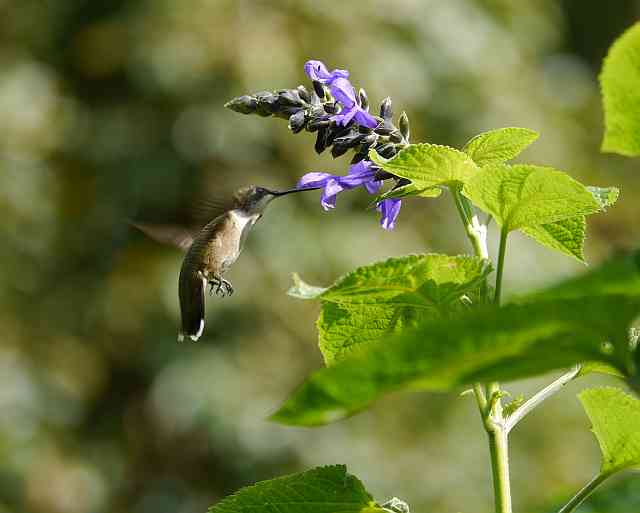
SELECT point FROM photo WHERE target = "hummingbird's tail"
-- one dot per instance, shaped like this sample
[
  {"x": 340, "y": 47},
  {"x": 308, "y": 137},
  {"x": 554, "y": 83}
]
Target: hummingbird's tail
[{"x": 191, "y": 288}]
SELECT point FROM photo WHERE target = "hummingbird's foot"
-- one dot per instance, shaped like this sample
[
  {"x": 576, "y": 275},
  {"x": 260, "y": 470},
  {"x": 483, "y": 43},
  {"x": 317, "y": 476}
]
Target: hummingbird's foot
[
  {"x": 228, "y": 286},
  {"x": 214, "y": 285},
  {"x": 222, "y": 287}
]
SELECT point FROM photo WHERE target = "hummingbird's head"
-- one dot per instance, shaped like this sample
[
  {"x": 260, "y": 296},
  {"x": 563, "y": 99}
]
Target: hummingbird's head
[{"x": 253, "y": 199}]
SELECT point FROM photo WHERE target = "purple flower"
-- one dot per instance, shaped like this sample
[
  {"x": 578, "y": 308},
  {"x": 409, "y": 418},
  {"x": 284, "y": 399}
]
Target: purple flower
[
  {"x": 362, "y": 173},
  {"x": 316, "y": 70},
  {"x": 389, "y": 208},
  {"x": 345, "y": 94}
]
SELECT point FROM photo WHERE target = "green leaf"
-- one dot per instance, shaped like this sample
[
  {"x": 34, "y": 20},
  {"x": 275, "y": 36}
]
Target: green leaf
[
  {"x": 599, "y": 368},
  {"x": 380, "y": 299},
  {"x": 303, "y": 290},
  {"x": 605, "y": 196},
  {"x": 620, "y": 276},
  {"x": 553, "y": 329},
  {"x": 321, "y": 490},
  {"x": 409, "y": 190},
  {"x": 498, "y": 146},
  {"x": 615, "y": 417},
  {"x": 429, "y": 165},
  {"x": 620, "y": 81},
  {"x": 523, "y": 196},
  {"x": 566, "y": 236}
]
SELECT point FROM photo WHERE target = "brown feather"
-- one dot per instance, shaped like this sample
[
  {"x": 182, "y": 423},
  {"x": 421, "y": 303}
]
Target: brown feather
[{"x": 172, "y": 235}]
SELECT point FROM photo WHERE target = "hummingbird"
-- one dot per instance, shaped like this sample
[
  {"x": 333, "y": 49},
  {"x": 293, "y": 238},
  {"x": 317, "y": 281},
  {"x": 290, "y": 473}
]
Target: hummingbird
[{"x": 210, "y": 251}]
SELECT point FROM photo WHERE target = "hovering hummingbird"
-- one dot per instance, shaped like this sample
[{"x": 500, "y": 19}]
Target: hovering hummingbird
[{"x": 211, "y": 251}]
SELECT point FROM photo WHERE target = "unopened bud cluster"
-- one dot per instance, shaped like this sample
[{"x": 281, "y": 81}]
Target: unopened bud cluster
[{"x": 312, "y": 110}]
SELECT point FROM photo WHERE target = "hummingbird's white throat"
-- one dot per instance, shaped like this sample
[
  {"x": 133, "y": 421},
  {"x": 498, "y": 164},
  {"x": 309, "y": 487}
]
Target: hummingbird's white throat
[{"x": 242, "y": 219}]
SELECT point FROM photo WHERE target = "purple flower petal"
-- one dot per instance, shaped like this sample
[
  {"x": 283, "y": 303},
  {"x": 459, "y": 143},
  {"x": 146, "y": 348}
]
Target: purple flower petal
[
  {"x": 360, "y": 167},
  {"x": 343, "y": 92},
  {"x": 344, "y": 116},
  {"x": 373, "y": 186},
  {"x": 313, "y": 180},
  {"x": 389, "y": 208},
  {"x": 330, "y": 192},
  {"x": 316, "y": 70},
  {"x": 363, "y": 118}
]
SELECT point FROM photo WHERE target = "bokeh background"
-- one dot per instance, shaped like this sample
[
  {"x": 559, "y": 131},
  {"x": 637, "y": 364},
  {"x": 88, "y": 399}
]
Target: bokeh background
[{"x": 114, "y": 110}]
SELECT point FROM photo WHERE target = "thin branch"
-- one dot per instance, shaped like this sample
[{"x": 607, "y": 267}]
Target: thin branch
[
  {"x": 580, "y": 497},
  {"x": 529, "y": 405}
]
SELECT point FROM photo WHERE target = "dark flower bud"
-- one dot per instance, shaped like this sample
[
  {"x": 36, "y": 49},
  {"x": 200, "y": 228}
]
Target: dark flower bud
[
  {"x": 304, "y": 94},
  {"x": 386, "y": 150},
  {"x": 336, "y": 131},
  {"x": 387, "y": 128},
  {"x": 317, "y": 123},
  {"x": 404, "y": 126},
  {"x": 396, "y": 137},
  {"x": 321, "y": 140},
  {"x": 331, "y": 108},
  {"x": 287, "y": 112},
  {"x": 364, "y": 101},
  {"x": 350, "y": 141},
  {"x": 267, "y": 103},
  {"x": 339, "y": 149},
  {"x": 369, "y": 140},
  {"x": 243, "y": 104},
  {"x": 289, "y": 98},
  {"x": 296, "y": 121},
  {"x": 319, "y": 89},
  {"x": 315, "y": 100},
  {"x": 386, "y": 110}
]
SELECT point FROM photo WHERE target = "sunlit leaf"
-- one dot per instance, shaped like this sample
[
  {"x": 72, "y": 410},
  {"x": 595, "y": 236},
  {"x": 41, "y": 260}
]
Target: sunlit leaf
[
  {"x": 383, "y": 298},
  {"x": 620, "y": 81},
  {"x": 321, "y": 490},
  {"x": 566, "y": 236},
  {"x": 523, "y": 196},
  {"x": 615, "y": 419},
  {"x": 429, "y": 165},
  {"x": 497, "y": 146}
]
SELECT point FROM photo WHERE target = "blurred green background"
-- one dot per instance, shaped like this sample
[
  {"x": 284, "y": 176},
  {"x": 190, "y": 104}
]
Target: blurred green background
[{"x": 112, "y": 110}]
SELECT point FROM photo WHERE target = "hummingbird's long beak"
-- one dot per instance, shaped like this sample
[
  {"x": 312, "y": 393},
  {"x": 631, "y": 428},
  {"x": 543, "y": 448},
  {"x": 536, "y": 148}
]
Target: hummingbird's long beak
[{"x": 290, "y": 191}]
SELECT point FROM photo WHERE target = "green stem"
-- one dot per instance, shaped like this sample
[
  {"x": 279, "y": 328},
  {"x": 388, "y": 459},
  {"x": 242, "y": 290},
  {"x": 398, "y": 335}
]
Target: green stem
[
  {"x": 476, "y": 232},
  {"x": 491, "y": 407},
  {"x": 498, "y": 433},
  {"x": 501, "y": 252},
  {"x": 499, "y": 449},
  {"x": 580, "y": 497}
]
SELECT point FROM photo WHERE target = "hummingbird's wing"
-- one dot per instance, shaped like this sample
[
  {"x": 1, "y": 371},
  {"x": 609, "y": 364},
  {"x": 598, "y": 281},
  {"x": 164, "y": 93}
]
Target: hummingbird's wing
[{"x": 173, "y": 235}]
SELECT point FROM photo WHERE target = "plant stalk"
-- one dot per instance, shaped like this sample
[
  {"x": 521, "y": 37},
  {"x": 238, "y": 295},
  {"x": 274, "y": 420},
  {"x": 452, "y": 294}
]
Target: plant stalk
[
  {"x": 499, "y": 450},
  {"x": 476, "y": 232},
  {"x": 580, "y": 497},
  {"x": 490, "y": 407},
  {"x": 500, "y": 271}
]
